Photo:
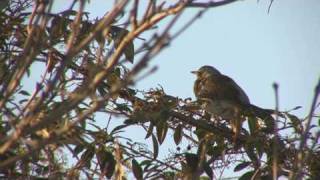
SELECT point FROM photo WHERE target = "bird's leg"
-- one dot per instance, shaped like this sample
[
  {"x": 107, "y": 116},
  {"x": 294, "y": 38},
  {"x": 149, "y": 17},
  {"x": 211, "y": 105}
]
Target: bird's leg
[{"x": 236, "y": 124}]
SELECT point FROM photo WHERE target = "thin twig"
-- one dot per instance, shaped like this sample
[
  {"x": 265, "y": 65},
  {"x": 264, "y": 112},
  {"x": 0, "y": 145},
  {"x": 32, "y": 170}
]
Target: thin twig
[
  {"x": 275, "y": 133},
  {"x": 210, "y": 4},
  {"x": 270, "y": 4},
  {"x": 301, "y": 156},
  {"x": 189, "y": 23}
]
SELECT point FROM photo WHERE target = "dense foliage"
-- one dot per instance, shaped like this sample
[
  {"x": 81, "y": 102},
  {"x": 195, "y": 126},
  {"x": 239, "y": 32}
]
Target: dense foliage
[{"x": 62, "y": 74}]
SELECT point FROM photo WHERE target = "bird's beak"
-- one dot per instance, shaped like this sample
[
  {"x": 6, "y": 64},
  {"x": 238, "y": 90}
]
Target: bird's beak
[{"x": 194, "y": 72}]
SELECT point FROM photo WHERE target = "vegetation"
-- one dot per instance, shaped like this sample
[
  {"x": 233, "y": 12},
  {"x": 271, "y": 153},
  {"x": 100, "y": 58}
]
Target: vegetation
[{"x": 82, "y": 71}]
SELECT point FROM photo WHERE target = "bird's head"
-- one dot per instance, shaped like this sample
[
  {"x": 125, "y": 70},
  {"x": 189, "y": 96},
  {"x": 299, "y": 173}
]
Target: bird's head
[{"x": 206, "y": 71}]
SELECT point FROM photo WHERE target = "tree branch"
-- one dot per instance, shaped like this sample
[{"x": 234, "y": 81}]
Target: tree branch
[{"x": 210, "y": 4}]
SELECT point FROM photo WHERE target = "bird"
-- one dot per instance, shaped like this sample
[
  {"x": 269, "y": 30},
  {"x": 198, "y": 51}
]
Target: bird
[{"x": 221, "y": 96}]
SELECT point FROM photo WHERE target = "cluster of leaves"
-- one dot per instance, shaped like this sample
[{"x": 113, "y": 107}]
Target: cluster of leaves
[{"x": 85, "y": 82}]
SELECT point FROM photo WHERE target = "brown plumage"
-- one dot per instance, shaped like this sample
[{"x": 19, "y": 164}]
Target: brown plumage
[{"x": 221, "y": 96}]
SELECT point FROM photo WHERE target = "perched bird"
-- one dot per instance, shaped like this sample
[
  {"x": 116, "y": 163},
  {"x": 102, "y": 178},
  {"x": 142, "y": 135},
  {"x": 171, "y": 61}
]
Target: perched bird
[{"x": 221, "y": 96}]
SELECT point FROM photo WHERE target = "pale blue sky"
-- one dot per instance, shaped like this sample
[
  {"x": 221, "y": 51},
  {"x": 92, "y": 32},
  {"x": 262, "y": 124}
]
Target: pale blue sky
[
  {"x": 251, "y": 46},
  {"x": 246, "y": 43}
]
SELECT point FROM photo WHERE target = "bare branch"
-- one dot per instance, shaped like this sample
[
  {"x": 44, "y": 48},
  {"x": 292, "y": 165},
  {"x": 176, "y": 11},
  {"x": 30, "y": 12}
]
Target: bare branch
[{"x": 210, "y": 4}]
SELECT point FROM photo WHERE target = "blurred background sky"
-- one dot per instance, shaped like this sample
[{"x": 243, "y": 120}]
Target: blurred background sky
[
  {"x": 246, "y": 43},
  {"x": 253, "y": 47}
]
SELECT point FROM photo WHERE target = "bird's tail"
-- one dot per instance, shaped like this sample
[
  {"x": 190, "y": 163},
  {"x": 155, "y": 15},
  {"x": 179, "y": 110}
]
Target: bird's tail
[
  {"x": 260, "y": 112},
  {"x": 263, "y": 114}
]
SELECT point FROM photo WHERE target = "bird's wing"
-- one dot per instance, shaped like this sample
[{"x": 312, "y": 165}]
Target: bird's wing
[
  {"x": 237, "y": 89},
  {"x": 220, "y": 88},
  {"x": 197, "y": 88}
]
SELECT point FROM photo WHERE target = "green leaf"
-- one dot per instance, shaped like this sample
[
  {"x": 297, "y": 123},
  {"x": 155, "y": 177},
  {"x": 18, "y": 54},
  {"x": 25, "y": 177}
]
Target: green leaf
[
  {"x": 101, "y": 89},
  {"x": 208, "y": 170},
  {"x": 137, "y": 170},
  {"x": 130, "y": 121},
  {"x": 247, "y": 175},
  {"x": 204, "y": 178},
  {"x": 129, "y": 52},
  {"x": 177, "y": 136},
  {"x": 146, "y": 164},
  {"x": 155, "y": 147},
  {"x": 252, "y": 122},
  {"x": 296, "y": 122},
  {"x": 162, "y": 129},
  {"x": 23, "y": 101},
  {"x": 169, "y": 175},
  {"x": 117, "y": 71},
  {"x": 192, "y": 161},
  {"x": 241, "y": 166},
  {"x": 150, "y": 130},
  {"x": 116, "y": 129},
  {"x": 69, "y": 12},
  {"x": 249, "y": 148},
  {"x": 87, "y": 156},
  {"x": 215, "y": 151},
  {"x": 296, "y": 108},
  {"x": 122, "y": 108},
  {"x": 25, "y": 93},
  {"x": 118, "y": 34},
  {"x": 58, "y": 28},
  {"x": 200, "y": 133},
  {"x": 106, "y": 162},
  {"x": 4, "y": 4},
  {"x": 78, "y": 149},
  {"x": 132, "y": 92}
]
